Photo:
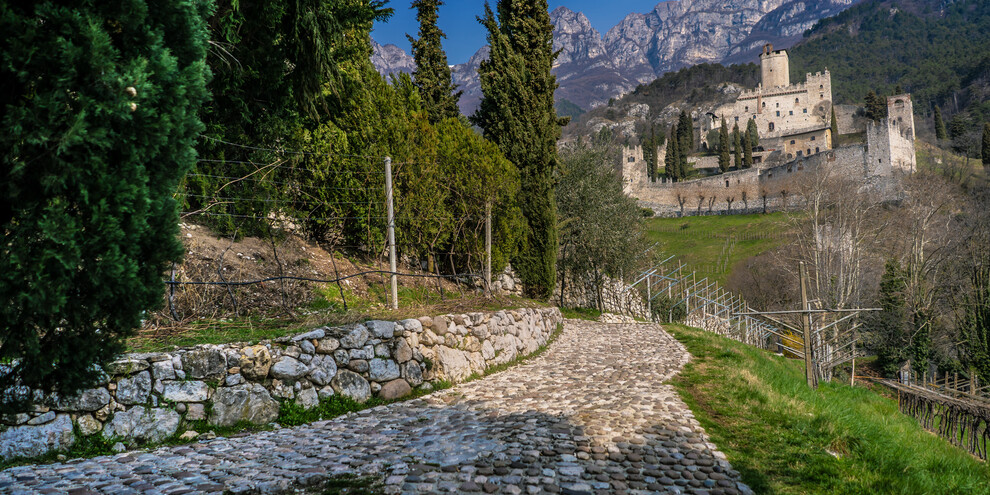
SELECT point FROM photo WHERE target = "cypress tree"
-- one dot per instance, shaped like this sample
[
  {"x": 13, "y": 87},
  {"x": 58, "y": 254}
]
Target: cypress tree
[
  {"x": 889, "y": 325},
  {"x": 834, "y": 126},
  {"x": 723, "y": 148},
  {"x": 100, "y": 122},
  {"x": 517, "y": 114},
  {"x": 685, "y": 128},
  {"x": 682, "y": 159},
  {"x": 432, "y": 74},
  {"x": 737, "y": 146},
  {"x": 747, "y": 150},
  {"x": 672, "y": 161},
  {"x": 985, "y": 149},
  {"x": 940, "y": 133},
  {"x": 754, "y": 134}
]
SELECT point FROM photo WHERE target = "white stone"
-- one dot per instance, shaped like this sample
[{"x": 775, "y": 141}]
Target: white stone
[
  {"x": 194, "y": 391},
  {"x": 146, "y": 425},
  {"x": 135, "y": 389},
  {"x": 355, "y": 337},
  {"x": 350, "y": 384},
  {"x": 307, "y": 399},
  {"x": 319, "y": 333},
  {"x": 47, "y": 417},
  {"x": 87, "y": 400},
  {"x": 163, "y": 370},
  {"x": 34, "y": 441},
  {"x": 322, "y": 370},
  {"x": 288, "y": 369},
  {"x": 248, "y": 402},
  {"x": 88, "y": 425},
  {"x": 381, "y": 329},
  {"x": 383, "y": 370}
]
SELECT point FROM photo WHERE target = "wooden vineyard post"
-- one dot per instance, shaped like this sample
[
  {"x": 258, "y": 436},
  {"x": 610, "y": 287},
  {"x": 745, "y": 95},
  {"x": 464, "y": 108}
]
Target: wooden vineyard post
[{"x": 809, "y": 370}]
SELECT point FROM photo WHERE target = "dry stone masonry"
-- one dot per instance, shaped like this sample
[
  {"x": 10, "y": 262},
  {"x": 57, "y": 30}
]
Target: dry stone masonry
[
  {"x": 149, "y": 397},
  {"x": 591, "y": 415}
]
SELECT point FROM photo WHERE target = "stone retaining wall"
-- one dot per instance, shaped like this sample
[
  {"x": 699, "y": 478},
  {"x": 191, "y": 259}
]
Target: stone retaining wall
[{"x": 147, "y": 398}]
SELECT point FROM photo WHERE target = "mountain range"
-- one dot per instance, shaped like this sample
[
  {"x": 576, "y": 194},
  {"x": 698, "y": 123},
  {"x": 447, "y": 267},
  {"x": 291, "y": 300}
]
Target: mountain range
[{"x": 591, "y": 68}]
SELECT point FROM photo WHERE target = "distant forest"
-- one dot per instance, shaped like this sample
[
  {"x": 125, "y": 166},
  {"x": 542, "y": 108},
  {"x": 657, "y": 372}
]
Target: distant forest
[{"x": 939, "y": 53}]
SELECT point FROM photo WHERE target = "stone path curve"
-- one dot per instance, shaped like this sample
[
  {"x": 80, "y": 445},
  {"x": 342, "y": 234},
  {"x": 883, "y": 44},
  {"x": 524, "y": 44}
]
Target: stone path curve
[{"x": 591, "y": 415}]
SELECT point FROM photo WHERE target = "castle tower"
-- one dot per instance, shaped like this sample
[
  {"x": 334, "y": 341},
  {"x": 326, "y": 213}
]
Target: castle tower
[
  {"x": 776, "y": 67},
  {"x": 901, "y": 110}
]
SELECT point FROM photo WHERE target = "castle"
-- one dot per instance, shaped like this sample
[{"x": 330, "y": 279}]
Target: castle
[{"x": 794, "y": 124}]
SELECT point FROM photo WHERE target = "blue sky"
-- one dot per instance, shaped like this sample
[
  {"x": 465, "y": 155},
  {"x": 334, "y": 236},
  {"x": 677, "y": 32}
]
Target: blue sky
[{"x": 465, "y": 35}]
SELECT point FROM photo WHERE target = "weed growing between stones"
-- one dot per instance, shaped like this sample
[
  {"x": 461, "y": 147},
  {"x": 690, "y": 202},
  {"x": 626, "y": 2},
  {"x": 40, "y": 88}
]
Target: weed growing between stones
[
  {"x": 292, "y": 414},
  {"x": 351, "y": 485},
  {"x": 589, "y": 314}
]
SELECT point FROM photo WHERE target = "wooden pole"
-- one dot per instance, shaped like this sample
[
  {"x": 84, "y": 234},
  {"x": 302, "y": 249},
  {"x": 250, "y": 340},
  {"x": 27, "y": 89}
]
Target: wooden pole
[
  {"x": 391, "y": 233},
  {"x": 852, "y": 374},
  {"x": 649, "y": 298},
  {"x": 488, "y": 248},
  {"x": 809, "y": 370}
]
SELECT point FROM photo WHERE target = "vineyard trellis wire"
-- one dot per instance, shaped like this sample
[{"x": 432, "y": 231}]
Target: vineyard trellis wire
[{"x": 831, "y": 340}]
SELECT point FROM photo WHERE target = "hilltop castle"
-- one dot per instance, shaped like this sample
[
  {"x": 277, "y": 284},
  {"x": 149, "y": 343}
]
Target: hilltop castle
[{"x": 794, "y": 124}]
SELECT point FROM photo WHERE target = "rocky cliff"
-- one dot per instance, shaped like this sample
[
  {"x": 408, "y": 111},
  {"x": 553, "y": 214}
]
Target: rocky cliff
[
  {"x": 390, "y": 59},
  {"x": 593, "y": 68}
]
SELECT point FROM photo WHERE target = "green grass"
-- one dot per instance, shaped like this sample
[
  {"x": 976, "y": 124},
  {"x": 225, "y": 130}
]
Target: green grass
[
  {"x": 778, "y": 433},
  {"x": 704, "y": 242},
  {"x": 323, "y": 311},
  {"x": 581, "y": 313}
]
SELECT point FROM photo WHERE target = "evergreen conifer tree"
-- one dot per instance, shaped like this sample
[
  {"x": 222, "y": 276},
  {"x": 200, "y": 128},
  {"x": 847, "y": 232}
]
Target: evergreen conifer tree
[
  {"x": 517, "y": 113},
  {"x": 737, "y": 146},
  {"x": 672, "y": 161},
  {"x": 432, "y": 74},
  {"x": 100, "y": 119},
  {"x": 723, "y": 148},
  {"x": 747, "y": 150},
  {"x": 754, "y": 134},
  {"x": 985, "y": 148},
  {"x": 888, "y": 326},
  {"x": 834, "y": 126},
  {"x": 875, "y": 106},
  {"x": 686, "y": 129},
  {"x": 940, "y": 132}
]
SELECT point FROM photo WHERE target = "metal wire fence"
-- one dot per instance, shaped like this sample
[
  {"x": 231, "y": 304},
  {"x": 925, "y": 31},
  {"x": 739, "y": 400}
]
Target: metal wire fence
[{"x": 246, "y": 224}]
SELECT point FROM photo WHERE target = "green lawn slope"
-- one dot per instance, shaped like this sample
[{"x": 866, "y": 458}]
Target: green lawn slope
[
  {"x": 786, "y": 438},
  {"x": 712, "y": 245}
]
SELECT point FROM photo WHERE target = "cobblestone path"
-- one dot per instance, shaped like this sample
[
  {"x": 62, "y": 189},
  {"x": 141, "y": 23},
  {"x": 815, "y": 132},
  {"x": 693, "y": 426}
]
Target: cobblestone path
[{"x": 591, "y": 415}]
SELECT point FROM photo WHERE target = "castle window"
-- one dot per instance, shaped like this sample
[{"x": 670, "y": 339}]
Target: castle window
[
  {"x": 792, "y": 112},
  {"x": 631, "y": 159},
  {"x": 821, "y": 96},
  {"x": 809, "y": 151},
  {"x": 797, "y": 100},
  {"x": 764, "y": 104},
  {"x": 726, "y": 183},
  {"x": 812, "y": 138},
  {"x": 747, "y": 108},
  {"x": 817, "y": 150},
  {"x": 821, "y": 86},
  {"x": 805, "y": 110},
  {"x": 737, "y": 118},
  {"x": 778, "y": 104},
  {"x": 800, "y": 153},
  {"x": 771, "y": 127},
  {"x": 778, "y": 113},
  {"x": 792, "y": 141}
]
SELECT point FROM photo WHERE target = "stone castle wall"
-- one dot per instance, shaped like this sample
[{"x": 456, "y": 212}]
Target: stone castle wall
[{"x": 149, "y": 397}]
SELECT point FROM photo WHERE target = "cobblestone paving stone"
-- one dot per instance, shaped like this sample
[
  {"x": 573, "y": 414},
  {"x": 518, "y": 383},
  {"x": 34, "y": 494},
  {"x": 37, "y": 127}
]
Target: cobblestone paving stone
[{"x": 589, "y": 416}]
